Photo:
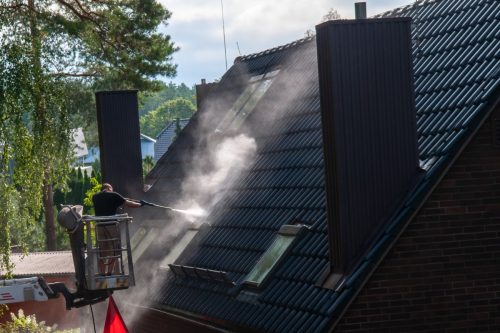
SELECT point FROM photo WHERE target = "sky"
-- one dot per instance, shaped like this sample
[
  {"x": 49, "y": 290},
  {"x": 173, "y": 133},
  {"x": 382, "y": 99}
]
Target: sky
[{"x": 250, "y": 27}]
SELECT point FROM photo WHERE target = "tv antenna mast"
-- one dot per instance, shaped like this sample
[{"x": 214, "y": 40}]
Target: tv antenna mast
[{"x": 224, "y": 32}]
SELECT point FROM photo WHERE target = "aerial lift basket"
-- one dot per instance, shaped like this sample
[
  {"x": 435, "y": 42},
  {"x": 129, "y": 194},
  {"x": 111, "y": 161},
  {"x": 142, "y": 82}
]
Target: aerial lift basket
[
  {"x": 108, "y": 263},
  {"x": 101, "y": 249}
]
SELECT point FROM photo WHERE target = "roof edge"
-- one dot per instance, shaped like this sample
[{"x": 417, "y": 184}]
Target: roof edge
[
  {"x": 403, "y": 9},
  {"x": 275, "y": 49},
  {"x": 370, "y": 20},
  {"x": 39, "y": 253},
  {"x": 52, "y": 274},
  {"x": 185, "y": 316}
]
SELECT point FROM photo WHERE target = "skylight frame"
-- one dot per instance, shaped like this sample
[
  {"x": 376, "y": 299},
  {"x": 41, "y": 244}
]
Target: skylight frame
[{"x": 273, "y": 256}]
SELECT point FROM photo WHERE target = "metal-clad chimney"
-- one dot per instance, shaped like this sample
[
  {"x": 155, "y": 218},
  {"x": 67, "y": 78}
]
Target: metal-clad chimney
[
  {"x": 369, "y": 129},
  {"x": 120, "y": 141},
  {"x": 360, "y": 10},
  {"x": 202, "y": 91}
]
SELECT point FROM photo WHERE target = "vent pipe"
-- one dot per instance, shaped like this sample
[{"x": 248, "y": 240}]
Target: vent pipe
[{"x": 360, "y": 10}]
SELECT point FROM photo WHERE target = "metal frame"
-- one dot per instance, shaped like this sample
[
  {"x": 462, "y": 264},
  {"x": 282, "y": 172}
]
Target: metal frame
[{"x": 96, "y": 280}]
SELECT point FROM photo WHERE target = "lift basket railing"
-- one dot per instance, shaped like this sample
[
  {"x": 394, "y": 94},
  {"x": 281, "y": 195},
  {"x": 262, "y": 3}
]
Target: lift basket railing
[{"x": 108, "y": 263}]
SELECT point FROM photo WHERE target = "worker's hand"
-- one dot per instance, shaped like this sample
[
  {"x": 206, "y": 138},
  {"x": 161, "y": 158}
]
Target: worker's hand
[{"x": 142, "y": 202}]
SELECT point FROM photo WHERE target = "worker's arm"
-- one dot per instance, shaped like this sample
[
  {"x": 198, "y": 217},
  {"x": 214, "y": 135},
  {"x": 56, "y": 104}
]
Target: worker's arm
[{"x": 132, "y": 204}]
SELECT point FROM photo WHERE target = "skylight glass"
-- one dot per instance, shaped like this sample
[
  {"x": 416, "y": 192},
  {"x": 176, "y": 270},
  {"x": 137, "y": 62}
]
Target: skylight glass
[
  {"x": 271, "y": 258},
  {"x": 246, "y": 102}
]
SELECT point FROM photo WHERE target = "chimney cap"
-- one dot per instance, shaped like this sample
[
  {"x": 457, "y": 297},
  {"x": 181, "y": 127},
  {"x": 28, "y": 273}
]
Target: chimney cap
[{"x": 360, "y": 10}]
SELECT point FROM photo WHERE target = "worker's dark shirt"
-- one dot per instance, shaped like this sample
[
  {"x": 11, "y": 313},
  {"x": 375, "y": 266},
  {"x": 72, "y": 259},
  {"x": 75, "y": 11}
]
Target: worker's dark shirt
[{"x": 106, "y": 203}]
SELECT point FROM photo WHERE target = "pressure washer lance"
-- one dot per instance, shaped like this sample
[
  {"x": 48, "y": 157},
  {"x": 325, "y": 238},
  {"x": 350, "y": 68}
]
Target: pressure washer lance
[
  {"x": 195, "y": 213},
  {"x": 146, "y": 203}
]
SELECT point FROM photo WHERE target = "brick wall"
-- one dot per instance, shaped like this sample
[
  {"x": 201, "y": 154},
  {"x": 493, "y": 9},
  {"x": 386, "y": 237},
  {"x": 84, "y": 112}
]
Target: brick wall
[{"x": 443, "y": 274}]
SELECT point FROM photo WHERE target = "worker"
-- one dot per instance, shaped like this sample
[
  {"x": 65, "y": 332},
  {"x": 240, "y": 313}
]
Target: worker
[{"x": 106, "y": 203}]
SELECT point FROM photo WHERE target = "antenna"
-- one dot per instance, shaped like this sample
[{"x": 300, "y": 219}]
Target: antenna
[
  {"x": 238, "y": 46},
  {"x": 224, "y": 32}
]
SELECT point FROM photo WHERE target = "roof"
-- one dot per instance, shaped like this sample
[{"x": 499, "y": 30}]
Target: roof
[
  {"x": 456, "y": 57},
  {"x": 166, "y": 137},
  {"x": 147, "y": 138},
  {"x": 43, "y": 263}
]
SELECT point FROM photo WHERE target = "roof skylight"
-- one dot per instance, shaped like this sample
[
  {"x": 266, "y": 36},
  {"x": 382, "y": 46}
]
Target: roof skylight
[
  {"x": 273, "y": 256},
  {"x": 246, "y": 102}
]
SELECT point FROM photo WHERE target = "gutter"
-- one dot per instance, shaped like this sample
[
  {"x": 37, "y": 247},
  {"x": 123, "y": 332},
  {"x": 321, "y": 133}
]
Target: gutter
[
  {"x": 202, "y": 320},
  {"x": 186, "y": 317}
]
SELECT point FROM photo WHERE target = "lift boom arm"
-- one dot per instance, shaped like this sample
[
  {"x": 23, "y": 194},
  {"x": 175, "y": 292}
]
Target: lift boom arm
[{"x": 24, "y": 290}]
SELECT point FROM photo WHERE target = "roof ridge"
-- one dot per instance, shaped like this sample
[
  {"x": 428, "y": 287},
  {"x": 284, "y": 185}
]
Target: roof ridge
[
  {"x": 276, "y": 49},
  {"x": 401, "y": 9}
]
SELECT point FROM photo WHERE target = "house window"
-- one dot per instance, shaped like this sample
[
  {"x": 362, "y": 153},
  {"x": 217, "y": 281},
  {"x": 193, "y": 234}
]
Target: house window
[
  {"x": 273, "y": 256},
  {"x": 246, "y": 102}
]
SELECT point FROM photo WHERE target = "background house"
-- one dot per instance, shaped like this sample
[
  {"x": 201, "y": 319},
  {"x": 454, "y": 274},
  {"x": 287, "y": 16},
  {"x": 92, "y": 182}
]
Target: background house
[
  {"x": 53, "y": 267},
  {"x": 415, "y": 245},
  {"x": 147, "y": 149},
  {"x": 80, "y": 147},
  {"x": 166, "y": 137},
  {"x": 147, "y": 146}
]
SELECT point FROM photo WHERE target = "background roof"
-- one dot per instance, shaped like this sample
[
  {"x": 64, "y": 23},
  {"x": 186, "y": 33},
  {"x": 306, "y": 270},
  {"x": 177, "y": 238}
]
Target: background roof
[{"x": 43, "y": 263}]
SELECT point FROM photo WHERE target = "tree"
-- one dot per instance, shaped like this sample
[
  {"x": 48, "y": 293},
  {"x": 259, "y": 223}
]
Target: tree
[
  {"x": 152, "y": 100},
  {"x": 45, "y": 46},
  {"x": 147, "y": 165},
  {"x": 332, "y": 14},
  {"x": 153, "y": 122}
]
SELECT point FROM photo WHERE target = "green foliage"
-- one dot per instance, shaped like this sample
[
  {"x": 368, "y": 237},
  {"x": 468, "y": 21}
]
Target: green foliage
[
  {"x": 147, "y": 165},
  {"x": 29, "y": 324},
  {"x": 151, "y": 100},
  {"x": 53, "y": 53},
  {"x": 153, "y": 122},
  {"x": 81, "y": 108},
  {"x": 33, "y": 135},
  {"x": 95, "y": 188},
  {"x": 96, "y": 170},
  {"x": 22, "y": 324},
  {"x": 78, "y": 184},
  {"x": 114, "y": 44}
]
